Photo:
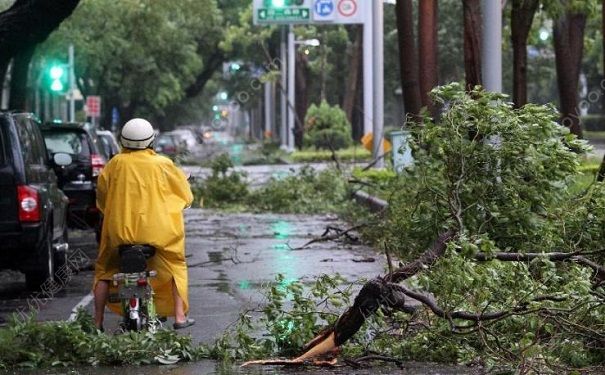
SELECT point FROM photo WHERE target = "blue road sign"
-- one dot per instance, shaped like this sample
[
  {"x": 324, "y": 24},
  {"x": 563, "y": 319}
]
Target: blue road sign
[{"x": 324, "y": 8}]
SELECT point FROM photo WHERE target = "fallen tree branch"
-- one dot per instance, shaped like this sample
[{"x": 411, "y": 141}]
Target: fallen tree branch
[{"x": 339, "y": 233}]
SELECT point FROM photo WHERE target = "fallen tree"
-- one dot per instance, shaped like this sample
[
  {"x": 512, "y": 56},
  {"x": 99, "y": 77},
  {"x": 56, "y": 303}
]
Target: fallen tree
[{"x": 504, "y": 249}]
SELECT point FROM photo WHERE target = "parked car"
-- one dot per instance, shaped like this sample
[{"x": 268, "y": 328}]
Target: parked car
[
  {"x": 169, "y": 144},
  {"x": 79, "y": 179},
  {"x": 109, "y": 143},
  {"x": 187, "y": 136},
  {"x": 33, "y": 210}
]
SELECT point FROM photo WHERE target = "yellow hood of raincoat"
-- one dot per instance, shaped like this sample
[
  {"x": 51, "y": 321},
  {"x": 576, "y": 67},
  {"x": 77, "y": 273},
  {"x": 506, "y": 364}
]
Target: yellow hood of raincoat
[{"x": 142, "y": 196}]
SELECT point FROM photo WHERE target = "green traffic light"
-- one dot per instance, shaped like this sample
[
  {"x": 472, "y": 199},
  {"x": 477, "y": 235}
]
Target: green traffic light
[
  {"x": 56, "y": 72},
  {"x": 278, "y": 3},
  {"x": 56, "y": 85}
]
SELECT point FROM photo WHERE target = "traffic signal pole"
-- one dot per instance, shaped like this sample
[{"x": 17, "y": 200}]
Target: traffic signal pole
[
  {"x": 284, "y": 87},
  {"x": 72, "y": 85},
  {"x": 291, "y": 84}
]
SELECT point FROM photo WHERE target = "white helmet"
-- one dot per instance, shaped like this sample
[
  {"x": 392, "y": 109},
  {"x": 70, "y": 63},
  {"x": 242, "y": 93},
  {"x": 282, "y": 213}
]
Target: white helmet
[{"x": 137, "y": 134}]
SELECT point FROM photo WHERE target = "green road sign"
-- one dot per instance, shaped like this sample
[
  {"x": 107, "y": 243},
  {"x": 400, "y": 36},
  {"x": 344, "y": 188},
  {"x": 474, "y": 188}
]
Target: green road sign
[{"x": 285, "y": 15}]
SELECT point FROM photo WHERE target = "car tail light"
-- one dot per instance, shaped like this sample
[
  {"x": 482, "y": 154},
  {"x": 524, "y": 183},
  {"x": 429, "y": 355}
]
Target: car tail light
[
  {"x": 142, "y": 281},
  {"x": 29, "y": 203},
  {"x": 98, "y": 163}
]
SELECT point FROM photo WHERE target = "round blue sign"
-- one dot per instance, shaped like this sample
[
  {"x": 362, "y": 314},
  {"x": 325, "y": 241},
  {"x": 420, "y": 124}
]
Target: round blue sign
[{"x": 324, "y": 8}]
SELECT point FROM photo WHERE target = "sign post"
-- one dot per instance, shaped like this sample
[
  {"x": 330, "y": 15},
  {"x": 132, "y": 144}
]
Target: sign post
[
  {"x": 328, "y": 12},
  {"x": 93, "y": 107}
]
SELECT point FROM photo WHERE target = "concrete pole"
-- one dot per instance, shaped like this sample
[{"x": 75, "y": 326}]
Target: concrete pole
[
  {"x": 491, "y": 48},
  {"x": 284, "y": 85},
  {"x": 291, "y": 86},
  {"x": 378, "y": 62},
  {"x": 269, "y": 109},
  {"x": 368, "y": 75},
  {"x": 72, "y": 85}
]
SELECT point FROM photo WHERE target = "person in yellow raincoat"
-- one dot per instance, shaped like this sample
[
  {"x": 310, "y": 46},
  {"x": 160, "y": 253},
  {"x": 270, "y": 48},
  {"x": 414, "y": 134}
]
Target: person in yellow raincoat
[{"x": 142, "y": 196}]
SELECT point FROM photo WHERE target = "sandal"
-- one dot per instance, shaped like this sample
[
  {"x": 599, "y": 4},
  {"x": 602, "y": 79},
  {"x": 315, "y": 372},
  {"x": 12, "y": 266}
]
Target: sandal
[{"x": 187, "y": 323}]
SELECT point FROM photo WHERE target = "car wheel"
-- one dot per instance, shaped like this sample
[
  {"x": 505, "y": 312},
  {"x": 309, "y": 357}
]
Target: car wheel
[
  {"x": 61, "y": 259},
  {"x": 35, "y": 278}
]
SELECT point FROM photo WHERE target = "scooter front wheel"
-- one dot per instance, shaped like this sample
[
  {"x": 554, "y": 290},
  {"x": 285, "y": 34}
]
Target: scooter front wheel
[{"x": 133, "y": 324}]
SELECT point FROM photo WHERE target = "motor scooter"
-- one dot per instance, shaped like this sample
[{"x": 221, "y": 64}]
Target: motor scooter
[{"x": 135, "y": 294}]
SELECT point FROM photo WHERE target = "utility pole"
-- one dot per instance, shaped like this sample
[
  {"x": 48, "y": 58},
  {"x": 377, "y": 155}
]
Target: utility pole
[
  {"x": 368, "y": 74},
  {"x": 378, "y": 62},
  {"x": 491, "y": 49},
  {"x": 291, "y": 86}
]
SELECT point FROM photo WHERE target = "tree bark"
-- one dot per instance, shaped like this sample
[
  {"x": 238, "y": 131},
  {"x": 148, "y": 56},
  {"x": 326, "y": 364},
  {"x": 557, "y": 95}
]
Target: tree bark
[
  {"x": 302, "y": 97},
  {"x": 472, "y": 42},
  {"x": 427, "y": 50},
  {"x": 18, "y": 83},
  {"x": 212, "y": 64},
  {"x": 521, "y": 20},
  {"x": 408, "y": 58},
  {"x": 352, "y": 84},
  {"x": 569, "y": 43}
]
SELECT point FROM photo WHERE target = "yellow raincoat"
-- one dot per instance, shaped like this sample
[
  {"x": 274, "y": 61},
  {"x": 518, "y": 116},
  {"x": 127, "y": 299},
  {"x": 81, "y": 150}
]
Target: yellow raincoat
[{"x": 142, "y": 196}]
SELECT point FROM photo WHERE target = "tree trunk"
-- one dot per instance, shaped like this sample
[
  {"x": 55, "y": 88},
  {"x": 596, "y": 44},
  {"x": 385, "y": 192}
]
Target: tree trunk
[
  {"x": 210, "y": 66},
  {"x": 569, "y": 43},
  {"x": 521, "y": 19},
  {"x": 427, "y": 50},
  {"x": 18, "y": 84},
  {"x": 472, "y": 42},
  {"x": 302, "y": 97},
  {"x": 22, "y": 26},
  {"x": 352, "y": 84},
  {"x": 408, "y": 58}
]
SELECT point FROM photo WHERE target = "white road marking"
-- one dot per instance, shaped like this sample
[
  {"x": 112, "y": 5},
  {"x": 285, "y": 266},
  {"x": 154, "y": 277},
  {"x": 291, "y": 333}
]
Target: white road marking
[{"x": 83, "y": 303}]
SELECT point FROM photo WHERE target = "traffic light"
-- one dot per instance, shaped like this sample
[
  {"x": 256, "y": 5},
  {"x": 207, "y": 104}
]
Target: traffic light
[{"x": 58, "y": 78}]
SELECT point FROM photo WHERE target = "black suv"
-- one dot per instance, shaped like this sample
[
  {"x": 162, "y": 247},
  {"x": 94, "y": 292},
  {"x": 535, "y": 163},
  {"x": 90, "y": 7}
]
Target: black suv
[
  {"x": 79, "y": 179},
  {"x": 33, "y": 210}
]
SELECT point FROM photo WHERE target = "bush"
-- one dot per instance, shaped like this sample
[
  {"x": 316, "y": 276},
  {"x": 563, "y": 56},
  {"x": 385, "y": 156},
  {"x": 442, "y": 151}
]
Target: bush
[
  {"x": 224, "y": 186},
  {"x": 307, "y": 192},
  {"x": 327, "y": 127}
]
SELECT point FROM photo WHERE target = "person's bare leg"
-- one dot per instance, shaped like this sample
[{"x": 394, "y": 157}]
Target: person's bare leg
[
  {"x": 179, "y": 305},
  {"x": 101, "y": 293}
]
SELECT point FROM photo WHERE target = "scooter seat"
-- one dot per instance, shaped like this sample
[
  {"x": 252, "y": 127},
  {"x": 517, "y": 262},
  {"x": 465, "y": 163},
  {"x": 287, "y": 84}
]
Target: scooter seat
[{"x": 133, "y": 258}]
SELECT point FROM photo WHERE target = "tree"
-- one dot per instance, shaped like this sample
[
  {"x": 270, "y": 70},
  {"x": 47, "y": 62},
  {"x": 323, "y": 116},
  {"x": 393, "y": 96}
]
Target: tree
[
  {"x": 139, "y": 55},
  {"x": 569, "y": 44},
  {"x": 408, "y": 57},
  {"x": 521, "y": 20},
  {"x": 23, "y": 26},
  {"x": 472, "y": 42}
]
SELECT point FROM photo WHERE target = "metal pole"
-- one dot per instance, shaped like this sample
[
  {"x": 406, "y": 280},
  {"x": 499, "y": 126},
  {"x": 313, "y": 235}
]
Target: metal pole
[
  {"x": 368, "y": 75},
  {"x": 491, "y": 54},
  {"x": 377, "y": 149},
  {"x": 72, "y": 85},
  {"x": 268, "y": 110},
  {"x": 291, "y": 85},
  {"x": 284, "y": 84}
]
